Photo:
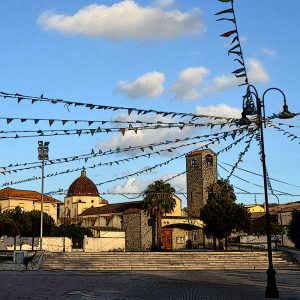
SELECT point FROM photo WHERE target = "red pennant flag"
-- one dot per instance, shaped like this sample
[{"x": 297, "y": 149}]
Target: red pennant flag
[
  {"x": 228, "y": 33},
  {"x": 123, "y": 130}
]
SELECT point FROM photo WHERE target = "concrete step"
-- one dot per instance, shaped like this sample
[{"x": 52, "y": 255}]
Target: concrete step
[{"x": 165, "y": 261}]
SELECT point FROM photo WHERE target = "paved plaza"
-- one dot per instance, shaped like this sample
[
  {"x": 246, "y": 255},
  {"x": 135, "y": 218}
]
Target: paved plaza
[{"x": 145, "y": 285}]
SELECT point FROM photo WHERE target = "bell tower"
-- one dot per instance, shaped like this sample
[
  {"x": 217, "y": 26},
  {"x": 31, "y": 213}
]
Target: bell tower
[{"x": 201, "y": 171}]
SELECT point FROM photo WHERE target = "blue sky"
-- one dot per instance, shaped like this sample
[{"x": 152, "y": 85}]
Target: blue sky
[{"x": 164, "y": 55}]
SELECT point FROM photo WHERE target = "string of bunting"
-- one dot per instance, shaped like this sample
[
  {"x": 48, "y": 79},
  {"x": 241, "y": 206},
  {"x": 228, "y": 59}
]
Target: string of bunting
[
  {"x": 224, "y": 149},
  {"x": 236, "y": 48},
  {"x": 93, "y": 154},
  {"x": 269, "y": 185},
  {"x": 92, "y": 131},
  {"x": 102, "y": 122},
  {"x": 211, "y": 141},
  {"x": 60, "y": 191},
  {"x": 288, "y": 134},
  {"x": 150, "y": 169},
  {"x": 247, "y": 181},
  {"x": 42, "y": 98},
  {"x": 241, "y": 155},
  {"x": 286, "y": 125},
  {"x": 148, "y": 155},
  {"x": 260, "y": 175}
]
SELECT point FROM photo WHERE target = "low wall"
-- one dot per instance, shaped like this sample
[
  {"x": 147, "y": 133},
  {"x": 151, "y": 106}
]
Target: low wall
[
  {"x": 261, "y": 240},
  {"x": 50, "y": 244},
  {"x": 107, "y": 241}
]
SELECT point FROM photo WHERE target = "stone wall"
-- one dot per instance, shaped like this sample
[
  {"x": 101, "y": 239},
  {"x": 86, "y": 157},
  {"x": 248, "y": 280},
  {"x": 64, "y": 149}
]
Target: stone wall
[
  {"x": 146, "y": 233},
  {"x": 132, "y": 227}
]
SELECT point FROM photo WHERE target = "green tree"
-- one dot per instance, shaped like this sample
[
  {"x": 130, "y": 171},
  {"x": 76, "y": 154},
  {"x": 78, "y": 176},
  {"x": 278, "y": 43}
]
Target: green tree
[
  {"x": 21, "y": 220},
  {"x": 8, "y": 226},
  {"x": 258, "y": 226},
  {"x": 158, "y": 200},
  {"x": 73, "y": 231},
  {"x": 221, "y": 214},
  {"x": 34, "y": 217},
  {"x": 294, "y": 228}
]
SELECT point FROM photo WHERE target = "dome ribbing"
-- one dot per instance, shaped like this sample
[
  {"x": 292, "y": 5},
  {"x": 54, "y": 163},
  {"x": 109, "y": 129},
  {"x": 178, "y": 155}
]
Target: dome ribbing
[{"x": 83, "y": 186}]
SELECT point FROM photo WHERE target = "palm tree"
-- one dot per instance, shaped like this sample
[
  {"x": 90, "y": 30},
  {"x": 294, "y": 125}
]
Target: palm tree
[{"x": 158, "y": 200}]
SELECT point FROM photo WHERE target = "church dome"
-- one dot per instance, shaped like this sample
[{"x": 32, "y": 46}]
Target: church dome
[{"x": 83, "y": 186}]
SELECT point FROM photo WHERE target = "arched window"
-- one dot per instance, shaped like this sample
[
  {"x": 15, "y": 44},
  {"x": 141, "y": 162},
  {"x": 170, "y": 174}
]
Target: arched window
[{"x": 209, "y": 160}]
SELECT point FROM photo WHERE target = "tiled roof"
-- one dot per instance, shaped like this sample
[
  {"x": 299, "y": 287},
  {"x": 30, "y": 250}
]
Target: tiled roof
[
  {"x": 30, "y": 195},
  {"x": 107, "y": 229},
  {"x": 113, "y": 208},
  {"x": 83, "y": 186},
  {"x": 285, "y": 207}
]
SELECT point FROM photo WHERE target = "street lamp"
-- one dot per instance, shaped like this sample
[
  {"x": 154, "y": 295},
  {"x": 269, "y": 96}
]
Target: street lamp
[
  {"x": 43, "y": 150},
  {"x": 249, "y": 109}
]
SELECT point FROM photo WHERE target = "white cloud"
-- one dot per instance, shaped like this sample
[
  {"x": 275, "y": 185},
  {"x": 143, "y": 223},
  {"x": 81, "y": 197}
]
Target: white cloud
[
  {"x": 188, "y": 82},
  {"x": 135, "y": 185},
  {"x": 179, "y": 182},
  {"x": 269, "y": 51},
  {"x": 125, "y": 20},
  {"x": 164, "y": 3},
  {"x": 132, "y": 185},
  {"x": 220, "y": 110},
  {"x": 145, "y": 137},
  {"x": 221, "y": 83},
  {"x": 256, "y": 74},
  {"x": 256, "y": 71},
  {"x": 149, "y": 85}
]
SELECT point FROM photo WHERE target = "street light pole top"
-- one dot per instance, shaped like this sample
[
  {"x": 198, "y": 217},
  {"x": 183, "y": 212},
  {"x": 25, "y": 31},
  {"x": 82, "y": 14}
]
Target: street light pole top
[
  {"x": 285, "y": 114},
  {"x": 250, "y": 109}
]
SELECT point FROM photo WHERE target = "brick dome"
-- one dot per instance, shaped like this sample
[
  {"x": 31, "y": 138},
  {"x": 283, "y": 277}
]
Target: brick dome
[{"x": 83, "y": 186}]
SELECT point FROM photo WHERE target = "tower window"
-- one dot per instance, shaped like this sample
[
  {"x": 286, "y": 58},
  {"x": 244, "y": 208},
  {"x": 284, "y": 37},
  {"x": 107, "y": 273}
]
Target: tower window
[{"x": 209, "y": 160}]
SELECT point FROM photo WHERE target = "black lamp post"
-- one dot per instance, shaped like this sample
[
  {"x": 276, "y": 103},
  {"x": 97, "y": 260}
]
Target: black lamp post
[
  {"x": 249, "y": 109},
  {"x": 43, "y": 149}
]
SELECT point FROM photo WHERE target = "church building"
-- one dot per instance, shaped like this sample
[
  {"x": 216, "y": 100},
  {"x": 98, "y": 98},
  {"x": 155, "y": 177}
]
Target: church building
[{"x": 83, "y": 204}]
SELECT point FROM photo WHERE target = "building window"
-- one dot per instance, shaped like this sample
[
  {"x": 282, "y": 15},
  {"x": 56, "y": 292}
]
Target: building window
[
  {"x": 209, "y": 160},
  {"x": 92, "y": 201},
  {"x": 180, "y": 240}
]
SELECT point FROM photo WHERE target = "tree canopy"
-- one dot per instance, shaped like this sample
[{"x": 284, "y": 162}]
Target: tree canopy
[
  {"x": 294, "y": 228},
  {"x": 73, "y": 231},
  {"x": 221, "y": 214},
  {"x": 15, "y": 222},
  {"x": 158, "y": 200}
]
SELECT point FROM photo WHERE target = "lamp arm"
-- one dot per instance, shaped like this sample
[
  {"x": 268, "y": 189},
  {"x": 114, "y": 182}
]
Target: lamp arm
[
  {"x": 254, "y": 88},
  {"x": 276, "y": 89}
]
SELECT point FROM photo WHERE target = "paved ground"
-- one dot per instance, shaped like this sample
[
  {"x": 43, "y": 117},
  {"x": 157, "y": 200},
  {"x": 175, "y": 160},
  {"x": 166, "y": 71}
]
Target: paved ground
[{"x": 144, "y": 285}]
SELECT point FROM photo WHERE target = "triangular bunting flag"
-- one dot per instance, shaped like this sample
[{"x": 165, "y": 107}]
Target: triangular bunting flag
[
  {"x": 123, "y": 130},
  {"x": 224, "y": 11}
]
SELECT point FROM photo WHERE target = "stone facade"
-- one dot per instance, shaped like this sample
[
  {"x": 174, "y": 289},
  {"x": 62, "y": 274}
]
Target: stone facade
[
  {"x": 201, "y": 167},
  {"x": 138, "y": 232}
]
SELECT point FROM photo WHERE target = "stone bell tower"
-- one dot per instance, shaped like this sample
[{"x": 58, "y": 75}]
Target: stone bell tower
[{"x": 201, "y": 171}]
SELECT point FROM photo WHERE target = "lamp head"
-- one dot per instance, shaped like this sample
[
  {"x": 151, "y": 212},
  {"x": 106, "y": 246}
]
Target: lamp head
[
  {"x": 243, "y": 120},
  {"x": 286, "y": 114},
  {"x": 248, "y": 105}
]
